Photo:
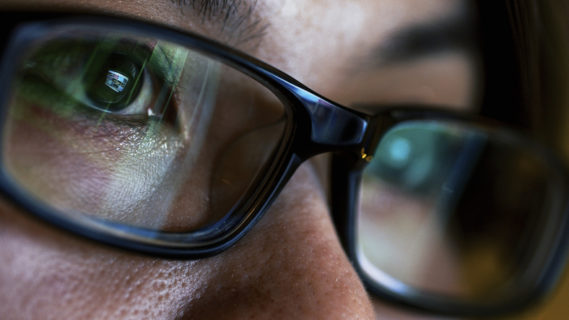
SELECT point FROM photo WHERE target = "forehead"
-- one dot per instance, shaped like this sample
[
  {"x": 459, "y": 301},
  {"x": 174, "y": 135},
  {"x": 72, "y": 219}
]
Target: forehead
[
  {"x": 289, "y": 26},
  {"x": 301, "y": 32}
]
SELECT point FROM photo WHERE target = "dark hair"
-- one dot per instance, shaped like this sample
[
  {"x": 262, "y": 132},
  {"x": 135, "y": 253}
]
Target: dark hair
[{"x": 525, "y": 49}]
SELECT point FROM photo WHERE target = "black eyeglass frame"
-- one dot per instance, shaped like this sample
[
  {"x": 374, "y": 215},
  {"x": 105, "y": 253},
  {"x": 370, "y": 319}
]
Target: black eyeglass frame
[
  {"x": 308, "y": 133},
  {"x": 317, "y": 126}
]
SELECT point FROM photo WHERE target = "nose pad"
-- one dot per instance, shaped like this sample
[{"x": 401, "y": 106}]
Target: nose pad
[{"x": 290, "y": 266}]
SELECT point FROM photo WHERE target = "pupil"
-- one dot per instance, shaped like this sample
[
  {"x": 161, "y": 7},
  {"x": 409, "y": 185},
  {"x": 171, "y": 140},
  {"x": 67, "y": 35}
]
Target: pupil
[{"x": 112, "y": 84}]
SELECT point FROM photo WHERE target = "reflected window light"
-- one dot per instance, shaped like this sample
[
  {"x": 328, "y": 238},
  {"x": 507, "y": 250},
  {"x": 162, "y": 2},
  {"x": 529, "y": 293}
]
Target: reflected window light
[{"x": 399, "y": 151}]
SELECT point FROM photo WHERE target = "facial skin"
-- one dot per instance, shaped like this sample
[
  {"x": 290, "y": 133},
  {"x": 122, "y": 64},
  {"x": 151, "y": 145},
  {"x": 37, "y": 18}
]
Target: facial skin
[{"x": 291, "y": 265}]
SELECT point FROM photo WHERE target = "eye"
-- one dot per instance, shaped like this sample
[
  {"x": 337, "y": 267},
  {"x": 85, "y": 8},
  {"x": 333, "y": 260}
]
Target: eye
[
  {"x": 116, "y": 84},
  {"x": 114, "y": 77}
]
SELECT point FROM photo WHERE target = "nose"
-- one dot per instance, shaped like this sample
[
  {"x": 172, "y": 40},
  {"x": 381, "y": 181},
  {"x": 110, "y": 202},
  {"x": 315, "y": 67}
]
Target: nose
[{"x": 290, "y": 266}]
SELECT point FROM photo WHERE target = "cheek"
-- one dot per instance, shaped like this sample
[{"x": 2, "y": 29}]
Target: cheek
[
  {"x": 401, "y": 236},
  {"x": 50, "y": 167},
  {"x": 45, "y": 274},
  {"x": 83, "y": 165}
]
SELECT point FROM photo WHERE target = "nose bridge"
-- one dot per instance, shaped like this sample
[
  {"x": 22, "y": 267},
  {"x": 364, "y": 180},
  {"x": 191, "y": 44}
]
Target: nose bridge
[
  {"x": 291, "y": 266},
  {"x": 331, "y": 124},
  {"x": 334, "y": 125}
]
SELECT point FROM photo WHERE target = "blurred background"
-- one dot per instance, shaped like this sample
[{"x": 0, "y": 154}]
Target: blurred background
[{"x": 527, "y": 77}]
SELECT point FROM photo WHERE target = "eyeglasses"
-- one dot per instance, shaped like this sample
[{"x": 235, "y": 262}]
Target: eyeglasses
[{"x": 167, "y": 143}]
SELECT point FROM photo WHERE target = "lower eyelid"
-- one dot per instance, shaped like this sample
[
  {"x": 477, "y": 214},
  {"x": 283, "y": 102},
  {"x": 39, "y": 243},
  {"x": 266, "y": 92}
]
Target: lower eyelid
[{"x": 91, "y": 133}]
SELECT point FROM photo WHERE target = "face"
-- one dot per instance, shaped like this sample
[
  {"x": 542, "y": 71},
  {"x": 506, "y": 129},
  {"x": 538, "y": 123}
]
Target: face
[{"x": 291, "y": 265}]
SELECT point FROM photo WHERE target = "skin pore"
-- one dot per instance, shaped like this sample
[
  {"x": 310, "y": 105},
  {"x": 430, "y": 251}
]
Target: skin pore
[{"x": 291, "y": 265}]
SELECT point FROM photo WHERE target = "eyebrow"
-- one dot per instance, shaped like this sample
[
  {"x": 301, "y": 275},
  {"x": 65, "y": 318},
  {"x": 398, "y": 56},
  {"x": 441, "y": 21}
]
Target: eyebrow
[
  {"x": 240, "y": 24},
  {"x": 238, "y": 20},
  {"x": 449, "y": 33}
]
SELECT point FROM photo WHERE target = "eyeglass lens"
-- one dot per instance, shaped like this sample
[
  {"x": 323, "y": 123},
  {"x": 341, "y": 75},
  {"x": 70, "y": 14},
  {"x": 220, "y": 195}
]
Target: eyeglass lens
[
  {"x": 138, "y": 131},
  {"x": 454, "y": 210}
]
